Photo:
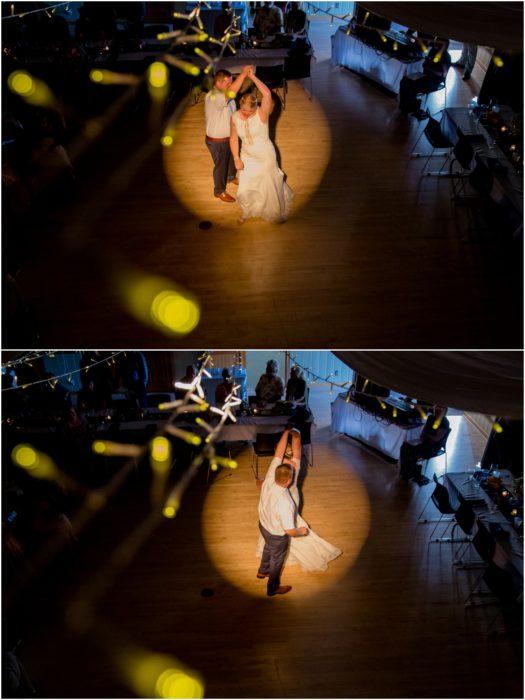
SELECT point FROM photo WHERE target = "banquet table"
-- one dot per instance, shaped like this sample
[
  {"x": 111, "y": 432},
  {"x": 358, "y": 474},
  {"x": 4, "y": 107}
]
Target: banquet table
[
  {"x": 350, "y": 52},
  {"x": 352, "y": 420},
  {"x": 247, "y": 427},
  {"x": 464, "y": 489},
  {"x": 266, "y": 58},
  {"x": 458, "y": 122}
]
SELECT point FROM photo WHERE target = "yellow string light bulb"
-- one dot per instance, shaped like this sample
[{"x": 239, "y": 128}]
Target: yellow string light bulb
[
  {"x": 160, "y": 454},
  {"x": 30, "y": 89},
  {"x": 497, "y": 427},
  {"x": 158, "y": 75}
]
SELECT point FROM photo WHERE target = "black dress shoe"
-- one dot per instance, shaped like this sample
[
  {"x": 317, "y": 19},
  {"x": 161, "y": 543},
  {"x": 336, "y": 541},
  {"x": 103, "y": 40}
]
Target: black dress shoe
[
  {"x": 281, "y": 590},
  {"x": 262, "y": 575}
]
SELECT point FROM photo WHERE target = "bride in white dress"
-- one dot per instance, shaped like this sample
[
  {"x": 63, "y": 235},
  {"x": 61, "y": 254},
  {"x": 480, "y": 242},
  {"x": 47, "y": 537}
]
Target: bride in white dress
[
  {"x": 262, "y": 191},
  {"x": 312, "y": 553}
]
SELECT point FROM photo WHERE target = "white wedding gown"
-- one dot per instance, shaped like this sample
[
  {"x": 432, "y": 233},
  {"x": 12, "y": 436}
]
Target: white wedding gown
[
  {"x": 262, "y": 191},
  {"x": 312, "y": 553}
]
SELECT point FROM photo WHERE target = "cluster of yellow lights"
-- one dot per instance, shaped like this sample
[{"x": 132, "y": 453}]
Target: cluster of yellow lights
[
  {"x": 29, "y": 88},
  {"x": 498, "y": 61}
]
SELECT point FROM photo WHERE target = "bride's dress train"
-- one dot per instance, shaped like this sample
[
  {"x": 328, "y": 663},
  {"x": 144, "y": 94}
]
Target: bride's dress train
[
  {"x": 312, "y": 553},
  {"x": 262, "y": 191}
]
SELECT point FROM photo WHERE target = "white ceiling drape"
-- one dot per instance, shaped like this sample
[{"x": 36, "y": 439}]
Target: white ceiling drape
[
  {"x": 495, "y": 24},
  {"x": 483, "y": 382}
]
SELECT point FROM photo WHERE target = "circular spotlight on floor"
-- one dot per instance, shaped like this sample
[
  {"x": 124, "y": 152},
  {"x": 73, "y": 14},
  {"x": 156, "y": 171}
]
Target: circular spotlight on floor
[
  {"x": 336, "y": 506},
  {"x": 302, "y": 140}
]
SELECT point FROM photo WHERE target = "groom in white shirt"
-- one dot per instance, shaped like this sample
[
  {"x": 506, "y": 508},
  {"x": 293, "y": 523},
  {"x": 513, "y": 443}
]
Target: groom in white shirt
[
  {"x": 277, "y": 512},
  {"x": 219, "y": 105}
]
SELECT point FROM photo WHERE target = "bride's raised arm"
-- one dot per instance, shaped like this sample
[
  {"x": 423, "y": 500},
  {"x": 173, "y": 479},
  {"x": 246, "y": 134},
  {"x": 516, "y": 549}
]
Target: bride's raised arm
[{"x": 266, "y": 103}]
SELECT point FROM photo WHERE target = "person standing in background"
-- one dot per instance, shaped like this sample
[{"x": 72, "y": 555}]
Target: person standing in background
[{"x": 467, "y": 59}]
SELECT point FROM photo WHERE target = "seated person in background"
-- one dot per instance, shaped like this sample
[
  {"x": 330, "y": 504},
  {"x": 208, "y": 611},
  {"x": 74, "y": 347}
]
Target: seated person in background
[
  {"x": 223, "y": 20},
  {"x": 268, "y": 20},
  {"x": 190, "y": 375},
  {"x": 435, "y": 69},
  {"x": 224, "y": 389},
  {"x": 270, "y": 386},
  {"x": 426, "y": 446},
  {"x": 295, "y": 19},
  {"x": 296, "y": 385}
]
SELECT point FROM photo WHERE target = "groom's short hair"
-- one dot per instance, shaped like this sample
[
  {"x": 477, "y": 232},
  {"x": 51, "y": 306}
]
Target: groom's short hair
[
  {"x": 283, "y": 474},
  {"x": 221, "y": 74}
]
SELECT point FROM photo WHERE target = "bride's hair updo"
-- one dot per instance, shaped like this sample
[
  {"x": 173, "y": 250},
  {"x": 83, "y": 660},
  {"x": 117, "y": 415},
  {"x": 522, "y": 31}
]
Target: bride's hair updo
[{"x": 249, "y": 99}]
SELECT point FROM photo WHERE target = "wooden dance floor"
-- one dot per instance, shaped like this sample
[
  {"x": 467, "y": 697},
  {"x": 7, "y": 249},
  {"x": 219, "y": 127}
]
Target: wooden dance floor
[
  {"x": 374, "y": 255},
  {"x": 378, "y": 623}
]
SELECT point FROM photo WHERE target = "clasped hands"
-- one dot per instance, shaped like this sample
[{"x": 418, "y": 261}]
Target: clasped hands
[{"x": 248, "y": 72}]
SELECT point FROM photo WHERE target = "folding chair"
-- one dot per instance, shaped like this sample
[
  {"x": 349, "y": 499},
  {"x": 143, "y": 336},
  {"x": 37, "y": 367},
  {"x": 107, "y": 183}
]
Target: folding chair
[{"x": 264, "y": 446}]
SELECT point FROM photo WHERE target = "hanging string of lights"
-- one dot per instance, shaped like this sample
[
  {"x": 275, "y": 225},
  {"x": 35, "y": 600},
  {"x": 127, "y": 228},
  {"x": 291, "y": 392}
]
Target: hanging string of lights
[
  {"x": 49, "y": 8},
  {"x": 153, "y": 300},
  {"x": 81, "y": 614},
  {"x": 316, "y": 377},
  {"x": 27, "y": 358},
  {"x": 54, "y": 380}
]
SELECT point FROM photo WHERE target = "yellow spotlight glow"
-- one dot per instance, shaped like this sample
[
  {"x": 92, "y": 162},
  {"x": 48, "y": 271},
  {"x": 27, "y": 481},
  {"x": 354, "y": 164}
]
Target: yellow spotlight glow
[
  {"x": 497, "y": 428},
  {"x": 25, "y": 456},
  {"x": 167, "y": 140},
  {"x": 158, "y": 75},
  {"x": 155, "y": 301},
  {"x": 383, "y": 38},
  {"x": 96, "y": 76},
  {"x": 21, "y": 83},
  {"x": 395, "y": 46},
  {"x": 169, "y": 512},
  {"x": 214, "y": 466},
  {"x": 171, "y": 309},
  {"x": 231, "y": 93},
  {"x": 498, "y": 61},
  {"x": 162, "y": 676},
  {"x": 38, "y": 464},
  {"x": 32, "y": 90},
  {"x": 394, "y": 412},
  {"x": 174, "y": 683}
]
